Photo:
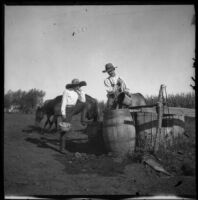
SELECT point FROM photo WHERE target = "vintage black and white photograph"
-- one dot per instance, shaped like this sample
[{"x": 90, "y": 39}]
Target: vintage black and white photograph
[{"x": 99, "y": 100}]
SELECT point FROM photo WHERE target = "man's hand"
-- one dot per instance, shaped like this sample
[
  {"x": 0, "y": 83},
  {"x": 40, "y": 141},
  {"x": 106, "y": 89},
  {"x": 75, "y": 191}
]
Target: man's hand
[{"x": 78, "y": 90}]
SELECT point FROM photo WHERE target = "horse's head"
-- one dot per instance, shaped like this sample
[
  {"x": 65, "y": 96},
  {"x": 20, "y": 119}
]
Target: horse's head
[
  {"x": 39, "y": 114},
  {"x": 135, "y": 99}
]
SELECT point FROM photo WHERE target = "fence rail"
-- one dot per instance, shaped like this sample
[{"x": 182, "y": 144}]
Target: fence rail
[
  {"x": 167, "y": 110},
  {"x": 183, "y": 111}
]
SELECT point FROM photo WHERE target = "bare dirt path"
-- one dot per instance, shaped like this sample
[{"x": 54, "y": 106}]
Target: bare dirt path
[{"x": 33, "y": 168}]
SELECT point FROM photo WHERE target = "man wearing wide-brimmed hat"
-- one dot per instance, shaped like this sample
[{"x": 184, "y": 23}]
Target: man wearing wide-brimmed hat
[
  {"x": 114, "y": 85},
  {"x": 71, "y": 94}
]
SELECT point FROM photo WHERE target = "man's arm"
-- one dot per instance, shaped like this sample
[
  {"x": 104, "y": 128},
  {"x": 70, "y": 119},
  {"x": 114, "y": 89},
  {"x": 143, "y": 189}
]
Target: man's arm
[
  {"x": 64, "y": 104},
  {"x": 108, "y": 86},
  {"x": 122, "y": 85},
  {"x": 81, "y": 95}
]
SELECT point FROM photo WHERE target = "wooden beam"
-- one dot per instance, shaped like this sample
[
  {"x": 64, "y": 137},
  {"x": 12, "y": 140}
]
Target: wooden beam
[
  {"x": 147, "y": 109},
  {"x": 146, "y": 106},
  {"x": 167, "y": 110},
  {"x": 182, "y": 111}
]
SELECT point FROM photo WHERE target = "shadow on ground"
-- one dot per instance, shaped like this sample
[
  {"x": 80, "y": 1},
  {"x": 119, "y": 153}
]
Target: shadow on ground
[
  {"x": 91, "y": 164},
  {"x": 72, "y": 145},
  {"x": 85, "y": 147},
  {"x": 39, "y": 130},
  {"x": 42, "y": 143},
  {"x": 85, "y": 157},
  {"x": 93, "y": 158},
  {"x": 32, "y": 128}
]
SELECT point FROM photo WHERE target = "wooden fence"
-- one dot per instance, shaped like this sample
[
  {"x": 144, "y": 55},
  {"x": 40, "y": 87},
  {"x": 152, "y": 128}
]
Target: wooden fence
[{"x": 167, "y": 110}]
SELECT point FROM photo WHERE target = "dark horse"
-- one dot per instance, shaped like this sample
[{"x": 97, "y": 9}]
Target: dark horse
[
  {"x": 136, "y": 99},
  {"x": 89, "y": 110}
]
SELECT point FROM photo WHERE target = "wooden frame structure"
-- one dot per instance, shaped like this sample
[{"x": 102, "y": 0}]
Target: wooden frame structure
[{"x": 161, "y": 109}]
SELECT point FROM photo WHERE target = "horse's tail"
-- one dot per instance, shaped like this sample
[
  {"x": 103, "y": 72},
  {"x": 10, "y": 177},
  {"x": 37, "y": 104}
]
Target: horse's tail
[
  {"x": 95, "y": 107},
  {"x": 97, "y": 110}
]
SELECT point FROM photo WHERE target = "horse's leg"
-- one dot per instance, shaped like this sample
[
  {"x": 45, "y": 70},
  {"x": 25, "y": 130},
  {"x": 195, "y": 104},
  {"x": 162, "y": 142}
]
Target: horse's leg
[
  {"x": 43, "y": 129},
  {"x": 51, "y": 123},
  {"x": 47, "y": 122},
  {"x": 55, "y": 121}
]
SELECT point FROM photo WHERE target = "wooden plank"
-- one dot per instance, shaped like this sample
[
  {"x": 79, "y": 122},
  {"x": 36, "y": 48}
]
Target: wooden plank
[
  {"x": 146, "y": 106},
  {"x": 151, "y": 110},
  {"x": 168, "y": 110},
  {"x": 182, "y": 111}
]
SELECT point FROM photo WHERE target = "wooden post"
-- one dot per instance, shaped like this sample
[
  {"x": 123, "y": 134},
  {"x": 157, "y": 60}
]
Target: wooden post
[{"x": 159, "y": 117}]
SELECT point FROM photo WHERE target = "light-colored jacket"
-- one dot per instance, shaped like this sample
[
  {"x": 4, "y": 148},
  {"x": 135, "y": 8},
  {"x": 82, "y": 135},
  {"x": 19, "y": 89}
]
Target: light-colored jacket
[{"x": 70, "y": 98}]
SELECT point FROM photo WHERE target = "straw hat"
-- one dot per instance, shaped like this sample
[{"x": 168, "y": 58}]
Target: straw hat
[{"x": 75, "y": 82}]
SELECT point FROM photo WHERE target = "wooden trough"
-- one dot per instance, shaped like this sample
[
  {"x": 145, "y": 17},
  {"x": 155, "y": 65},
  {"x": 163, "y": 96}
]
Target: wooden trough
[
  {"x": 159, "y": 126},
  {"x": 148, "y": 137}
]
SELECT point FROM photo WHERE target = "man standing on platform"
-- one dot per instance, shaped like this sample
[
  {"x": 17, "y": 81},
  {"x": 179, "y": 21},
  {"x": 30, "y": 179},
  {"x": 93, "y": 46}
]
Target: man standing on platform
[{"x": 114, "y": 85}]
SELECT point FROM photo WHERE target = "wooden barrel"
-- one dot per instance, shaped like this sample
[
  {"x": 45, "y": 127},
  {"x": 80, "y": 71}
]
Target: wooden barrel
[
  {"x": 173, "y": 127},
  {"x": 119, "y": 132}
]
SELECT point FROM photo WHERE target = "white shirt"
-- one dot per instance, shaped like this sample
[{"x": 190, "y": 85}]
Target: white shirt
[
  {"x": 70, "y": 98},
  {"x": 111, "y": 84}
]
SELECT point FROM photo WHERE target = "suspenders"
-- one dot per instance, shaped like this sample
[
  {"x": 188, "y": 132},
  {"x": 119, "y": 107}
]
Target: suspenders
[
  {"x": 112, "y": 85},
  {"x": 119, "y": 79}
]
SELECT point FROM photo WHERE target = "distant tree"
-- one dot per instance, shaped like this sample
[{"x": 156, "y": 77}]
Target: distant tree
[
  {"x": 25, "y": 100},
  {"x": 8, "y": 98},
  {"x": 32, "y": 99},
  {"x": 17, "y": 96},
  {"x": 7, "y": 101}
]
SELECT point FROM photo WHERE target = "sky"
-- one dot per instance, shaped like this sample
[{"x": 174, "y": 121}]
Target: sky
[{"x": 48, "y": 46}]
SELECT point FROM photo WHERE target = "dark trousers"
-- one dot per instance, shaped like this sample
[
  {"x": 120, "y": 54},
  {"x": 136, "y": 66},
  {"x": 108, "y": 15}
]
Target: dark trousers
[{"x": 63, "y": 134}]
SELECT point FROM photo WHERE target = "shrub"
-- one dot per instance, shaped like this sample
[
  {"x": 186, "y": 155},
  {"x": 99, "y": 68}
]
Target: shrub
[{"x": 185, "y": 100}]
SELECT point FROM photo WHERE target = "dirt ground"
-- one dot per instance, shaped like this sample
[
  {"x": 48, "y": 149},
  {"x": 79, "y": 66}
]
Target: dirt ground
[{"x": 35, "y": 167}]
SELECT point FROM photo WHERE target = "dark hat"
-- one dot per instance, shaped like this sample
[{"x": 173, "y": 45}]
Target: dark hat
[
  {"x": 109, "y": 67},
  {"x": 75, "y": 82}
]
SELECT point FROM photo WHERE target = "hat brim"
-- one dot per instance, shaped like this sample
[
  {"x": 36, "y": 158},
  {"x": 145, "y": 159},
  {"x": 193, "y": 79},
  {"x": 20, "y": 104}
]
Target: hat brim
[
  {"x": 109, "y": 70},
  {"x": 80, "y": 84}
]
